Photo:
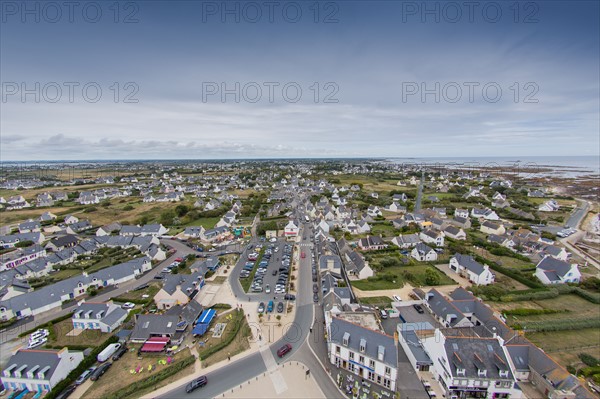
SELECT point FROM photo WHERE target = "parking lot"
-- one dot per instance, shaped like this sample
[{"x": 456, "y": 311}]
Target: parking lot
[{"x": 271, "y": 278}]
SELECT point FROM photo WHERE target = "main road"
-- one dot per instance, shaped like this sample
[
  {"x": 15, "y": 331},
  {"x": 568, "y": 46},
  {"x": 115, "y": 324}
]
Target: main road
[{"x": 238, "y": 372}]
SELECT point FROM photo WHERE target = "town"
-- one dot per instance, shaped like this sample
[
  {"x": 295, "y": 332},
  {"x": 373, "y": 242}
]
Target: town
[{"x": 297, "y": 278}]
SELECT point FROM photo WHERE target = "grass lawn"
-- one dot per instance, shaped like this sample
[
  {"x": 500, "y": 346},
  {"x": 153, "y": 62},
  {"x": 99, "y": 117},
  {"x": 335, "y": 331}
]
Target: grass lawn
[
  {"x": 119, "y": 374},
  {"x": 207, "y": 223},
  {"x": 91, "y": 338},
  {"x": 247, "y": 282},
  {"x": 238, "y": 345},
  {"x": 394, "y": 277},
  {"x": 137, "y": 295},
  {"x": 383, "y": 229},
  {"x": 562, "y": 345},
  {"x": 381, "y": 301}
]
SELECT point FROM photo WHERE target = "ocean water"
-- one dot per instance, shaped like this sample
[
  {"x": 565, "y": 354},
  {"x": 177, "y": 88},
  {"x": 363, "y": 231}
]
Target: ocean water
[{"x": 557, "y": 166}]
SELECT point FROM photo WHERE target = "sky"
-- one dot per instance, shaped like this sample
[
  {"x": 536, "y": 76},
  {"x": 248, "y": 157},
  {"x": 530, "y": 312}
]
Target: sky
[{"x": 284, "y": 79}]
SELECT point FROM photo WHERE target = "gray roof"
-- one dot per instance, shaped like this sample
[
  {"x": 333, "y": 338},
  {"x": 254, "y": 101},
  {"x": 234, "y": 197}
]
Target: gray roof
[
  {"x": 130, "y": 230},
  {"x": 412, "y": 341},
  {"x": 34, "y": 359},
  {"x": 323, "y": 260},
  {"x": 184, "y": 281},
  {"x": 424, "y": 248},
  {"x": 554, "y": 267},
  {"x": 471, "y": 354},
  {"x": 442, "y": 307},
  {"x": 469, "y": 263},
  {"x": 62, "y": 241},
  {"x": 148, "y": 325},
  {"x": 374, "y": 340}
]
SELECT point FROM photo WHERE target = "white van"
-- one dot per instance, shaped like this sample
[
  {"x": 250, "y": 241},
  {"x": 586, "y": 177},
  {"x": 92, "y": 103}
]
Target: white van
[
  {"x": 37, "y": 342},
  {"x": 39, "y": 334},
  {"x": 383, "y": 314}
]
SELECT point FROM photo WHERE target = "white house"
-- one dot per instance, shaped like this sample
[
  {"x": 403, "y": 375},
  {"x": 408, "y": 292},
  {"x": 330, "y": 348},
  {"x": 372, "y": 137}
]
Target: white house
[
  {"x": 554, "y": 271},
  {"x": 488, "y": 227},
  {"x": 371, "y": 355},
  {"x": 39, "y": 370},
  {"x": 473, "y": 367},
  {"x": 423, "y": 253},
  {"x": 469, "y": 268},
  {"x": 291, "y": 230},
  {"x": 432, "y": 237},
  {"x": 106, "y": 317}
]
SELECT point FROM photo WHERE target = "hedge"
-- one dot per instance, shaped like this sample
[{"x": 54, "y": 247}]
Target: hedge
[
  {"x": 45, "y": 325},
  {"x": 530, "y": 312},
  {"x": 153, "y": 379},
  {"x": 558, "y": 325},
  {"x": 85, "y": 364}
]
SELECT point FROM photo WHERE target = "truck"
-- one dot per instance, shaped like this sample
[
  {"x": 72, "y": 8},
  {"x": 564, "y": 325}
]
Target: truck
[{"x": 108, "y": 352}]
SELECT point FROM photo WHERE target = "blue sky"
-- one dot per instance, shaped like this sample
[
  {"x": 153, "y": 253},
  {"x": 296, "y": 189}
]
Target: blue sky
[{"x": 371, "y": 62}]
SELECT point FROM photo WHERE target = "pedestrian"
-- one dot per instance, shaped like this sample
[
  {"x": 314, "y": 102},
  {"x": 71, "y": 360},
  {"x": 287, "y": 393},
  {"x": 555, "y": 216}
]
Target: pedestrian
[{"x": 228, "y": 356}]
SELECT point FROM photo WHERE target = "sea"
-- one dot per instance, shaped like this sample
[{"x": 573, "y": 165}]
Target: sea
[{"x": 543, "y": 166}]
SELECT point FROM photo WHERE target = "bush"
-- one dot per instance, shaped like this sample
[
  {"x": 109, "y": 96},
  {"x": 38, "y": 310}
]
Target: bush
[
  {"x": 589, "y": 360},
  {"x": 237, "y": 322},
  {"x": 128, "y": 208},
  {"x": 47, "y": 325}
]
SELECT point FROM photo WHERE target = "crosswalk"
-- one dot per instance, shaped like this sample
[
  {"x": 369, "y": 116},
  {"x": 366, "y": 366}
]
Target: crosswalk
[{"x": 274, "y": 374}]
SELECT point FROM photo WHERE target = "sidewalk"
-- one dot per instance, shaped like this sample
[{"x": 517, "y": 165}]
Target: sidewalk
[{"x": 289, "y": 380}]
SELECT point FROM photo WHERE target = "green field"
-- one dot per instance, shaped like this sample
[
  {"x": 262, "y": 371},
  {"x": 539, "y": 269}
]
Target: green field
[
  {"x": 207, "y": 223},
  {"x": 380, "y": 301},
  {"x": 395, "y": 277}
]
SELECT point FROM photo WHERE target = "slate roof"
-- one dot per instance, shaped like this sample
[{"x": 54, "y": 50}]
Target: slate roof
[
  {"x": 374, "y": 340},
  {"x": 554, "y": 267},
  {"x": 474, "y": 353},
  {"x": 469, "y": 263}
]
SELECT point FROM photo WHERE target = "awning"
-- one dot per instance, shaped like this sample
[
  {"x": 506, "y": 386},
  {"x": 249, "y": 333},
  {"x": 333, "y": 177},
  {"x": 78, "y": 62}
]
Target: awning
[
  {"x": 159, "y": 339},
  {"x": 153, "y": 346},
  {"x": 200, "y": 329},
  {"x": 207, "y": 316}
]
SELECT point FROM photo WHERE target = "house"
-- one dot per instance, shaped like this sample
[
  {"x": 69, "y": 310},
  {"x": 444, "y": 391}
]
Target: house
[
  {"x": 369, "y": 354},
  {"x": 331, "y": 263},
  {"x": 461, "y": 213},
  {"x": 30, "y": 227},
  {"x": 399, "y": 197},
  {"x": 549, "y": 206},
  {"x": 455, "y": 233},
  {"x": 10, "y": 241},
  {"x": 149, "y": 326},
  {"x": 469, "y": 268},
  {"x": 423, "y": 253},
  {"x": 395, "y": 207},
  {"x": 554, "y": 271},
  {"x": 463, "y": 223},
  {"x": 62, "y": 242},
  {"x": 79, "y": 227},
  {"x": 488, "y": 227},
  {"x": 432, "y": 237},
  {"x": 194, "y": 231},
  {"x": 21, "y": 256},
  {"x": 39, "y": 370},
  {"x": 44, "y": 199},
  {"x": 70, "y": 219},
  {"x": 363, "y": 227},
  {"x": 291, "y": 229},
  {"x": 486, "y": 214},
  {"x": 47, "y": 217},
  {"x": 154, "y": 230},
  {"x": 373, "y": 211},
  {"x": 559, "y": 253},
  {"x": 406, "y": 241},
  {"x": 356, "y": 266},
  {"x": 371, "y": 243},
  {"x": 178, "y": 289},
  {"x": 104, "y": 316},
  {"x": 470, "y": 366},
  {"x": 108, "y": 229}
]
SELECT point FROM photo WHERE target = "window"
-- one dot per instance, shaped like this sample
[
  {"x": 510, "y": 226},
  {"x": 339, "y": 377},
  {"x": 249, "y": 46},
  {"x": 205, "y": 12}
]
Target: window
[
  {"x": 361, "y": 359},
  {"x": 363, "y": 345},
  {"x": 337, "y": 349},
  {"x": 386, "y": 383},
  {"x": 387, "y": 370},
  {"x": 379, "y": 379},
  {"x": 372, "y": 363},
  {"x": 371, "y": 375},
  {"x": 351, "y": 355}
]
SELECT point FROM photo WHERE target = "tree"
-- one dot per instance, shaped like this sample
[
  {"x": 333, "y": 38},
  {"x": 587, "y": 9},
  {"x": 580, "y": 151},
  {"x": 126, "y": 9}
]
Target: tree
[
  {"x": 431, "y": 277},
  {"x": 181, "y": 210}
]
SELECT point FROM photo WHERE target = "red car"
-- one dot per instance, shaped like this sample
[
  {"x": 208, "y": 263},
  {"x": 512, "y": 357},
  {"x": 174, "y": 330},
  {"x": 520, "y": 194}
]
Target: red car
[
  {"x": 179, "y": 260},
  {"x": 281, "y": 352},
  {"x": 303, "y": 255}
]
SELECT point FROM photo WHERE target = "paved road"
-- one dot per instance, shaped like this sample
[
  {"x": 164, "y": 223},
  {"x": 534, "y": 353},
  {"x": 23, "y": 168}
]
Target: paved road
[
  {"x": 578, "y": 215},
  {"x": 242, "y": 370},
  {"x": 420, "y": 193}
]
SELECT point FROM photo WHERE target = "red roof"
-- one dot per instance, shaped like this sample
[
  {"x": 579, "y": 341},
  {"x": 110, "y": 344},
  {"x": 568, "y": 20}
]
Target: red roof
[
  {"x": 153, "y": 347},
  {"x": 159, "y": 339}
]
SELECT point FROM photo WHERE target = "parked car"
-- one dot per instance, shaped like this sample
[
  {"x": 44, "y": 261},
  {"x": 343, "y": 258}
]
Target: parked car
[
  {"x": 383, "y": 314},
  {"x": 270, "y": 307},
  {"x": 281, "y": 352},
  {"x": 315, "y": 297},
  {"x": 99, "y": 372},
  {"x": 128, "y": 305},
  {"x": 289, "y": 297},
  {"x": 195, "y": 384},
  {"x": 84, "y": 376},
  {"x": 280, "y": 307},
  {"x": 267, "y": 289},
  {"x": 67, "y": 391},
  {"x": 397, "y": 298},
  {"x": 418, "y": 308},
  {"x": 261, "y": 307},
  {"x": 120, "y": 352}
]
